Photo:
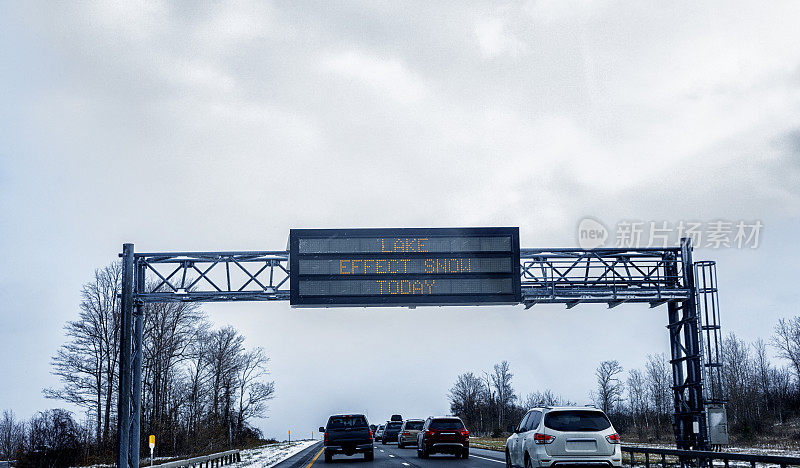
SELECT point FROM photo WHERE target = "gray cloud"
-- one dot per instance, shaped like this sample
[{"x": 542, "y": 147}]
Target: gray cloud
[{"x": 181, "y": 127}]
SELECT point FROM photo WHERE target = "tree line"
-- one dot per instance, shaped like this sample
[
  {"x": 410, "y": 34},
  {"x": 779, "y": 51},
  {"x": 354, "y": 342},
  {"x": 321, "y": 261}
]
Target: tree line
[
  {"x": 487, "y": 402},
  {"x": 762, "y": 393},
  {"x": 201, "y": 387}
]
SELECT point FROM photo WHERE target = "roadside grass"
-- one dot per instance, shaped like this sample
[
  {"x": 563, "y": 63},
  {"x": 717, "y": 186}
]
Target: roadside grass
[{"x": 488, "y": 443}]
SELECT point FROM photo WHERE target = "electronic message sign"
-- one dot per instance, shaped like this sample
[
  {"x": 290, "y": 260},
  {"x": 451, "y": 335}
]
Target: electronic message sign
[{"x": 406, "y": 267}]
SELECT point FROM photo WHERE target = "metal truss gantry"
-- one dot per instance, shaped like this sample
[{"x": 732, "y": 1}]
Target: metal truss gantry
[{"x": 564, "y": 276}]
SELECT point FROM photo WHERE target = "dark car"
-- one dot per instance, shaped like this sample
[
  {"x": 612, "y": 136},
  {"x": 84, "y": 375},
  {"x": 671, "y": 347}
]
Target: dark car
[
  {"x": 348, "y": 434},
  {"x": 443, "y": 435},
  {"x": 391, "y": 431}
]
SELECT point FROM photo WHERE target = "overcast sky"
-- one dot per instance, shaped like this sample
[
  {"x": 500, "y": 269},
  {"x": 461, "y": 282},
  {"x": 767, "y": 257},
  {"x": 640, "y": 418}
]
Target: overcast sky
[{"x": 220, "y": 126}]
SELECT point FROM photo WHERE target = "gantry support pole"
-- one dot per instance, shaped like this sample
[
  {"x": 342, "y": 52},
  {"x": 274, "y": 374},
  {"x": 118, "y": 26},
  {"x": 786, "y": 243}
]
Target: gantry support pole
[
  {"x": 124, "y": 403},
  {"x": 689, "y": 422},
  {"x": 136, "y": 407},
  {"x": 692, "y": 340}
]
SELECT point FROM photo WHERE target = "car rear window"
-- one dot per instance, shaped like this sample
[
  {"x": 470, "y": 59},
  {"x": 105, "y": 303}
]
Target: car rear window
[
  {"x": 414, "y": 425},
  {"x": 569, "y": 421},
  {"x": 394, "y": 425},
  {"x": 447, "y": 424},
  {"x": 347, "y": 422}
]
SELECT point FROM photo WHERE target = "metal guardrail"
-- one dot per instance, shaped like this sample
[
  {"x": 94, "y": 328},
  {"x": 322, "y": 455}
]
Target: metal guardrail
[
  {"x": 699, "y": 458},
  {"x": 211, "y": 461}
]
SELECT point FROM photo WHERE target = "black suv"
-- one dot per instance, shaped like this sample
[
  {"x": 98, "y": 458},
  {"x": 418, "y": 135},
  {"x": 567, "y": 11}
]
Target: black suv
[
  {"x": 348, "y": 434},
  {"x": 391, "y": 431}
]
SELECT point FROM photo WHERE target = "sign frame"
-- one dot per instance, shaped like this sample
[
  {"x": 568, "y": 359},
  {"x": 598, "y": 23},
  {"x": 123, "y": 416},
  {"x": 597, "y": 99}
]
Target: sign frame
[{"x": 405, "y": 300}]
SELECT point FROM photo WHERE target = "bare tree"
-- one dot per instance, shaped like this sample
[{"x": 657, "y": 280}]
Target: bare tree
[
  {"x": 638, "y": 401},
  {"x": 545, "y": 398},
  {"x": 781, "y": 379},
  {"x": 197, "y": 378},
  {"x": 763, "y": 372},
  {"x": 196, "y": 385},
  {"x": 222, "y": 353},
  {"x": 787, "y": 341},
  {"x": 609, "y": 388},
  {"x": 659, "y": 378},
  {"x": 465, "y": 398},
  {"x": 87, "y": 363},
  {"x": 487, "y": 405},
  {"x": 53, "y": 439},
  {"x": 253, "y": 391},
  {"x": 740, "y": 379},
  {"x": 12, "y": 436},
  {"x": 170, "y": 329},
  {"x": 501, "y": 381}
]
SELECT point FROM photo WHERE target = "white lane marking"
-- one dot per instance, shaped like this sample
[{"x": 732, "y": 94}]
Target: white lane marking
[
  {"x": 490, "y": 459},
  {"x": 391, "y": 455},
  {"x": 381, "y": 450},
  {"x": 406, "y": 464}
]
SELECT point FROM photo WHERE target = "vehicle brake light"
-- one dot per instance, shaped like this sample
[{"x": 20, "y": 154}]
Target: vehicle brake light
[
  {"x": 406, "y": 433},
  {"x": 326, "y": 437},
  {"x": 464, "y": 433},
  {"x": 370, "y": 433},
  {"x": 428, "y": 433},
  {"x": 613, "y": 438},
  {"x": 543, "y": 438}
]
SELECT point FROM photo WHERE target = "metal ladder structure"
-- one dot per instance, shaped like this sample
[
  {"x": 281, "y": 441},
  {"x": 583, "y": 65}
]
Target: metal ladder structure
[{"x": 710, "y": 344}]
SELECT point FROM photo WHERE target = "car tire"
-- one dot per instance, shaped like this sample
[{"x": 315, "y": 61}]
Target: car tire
[
  {"x": 457, "y": 454},
  {"x": 328, "y": 457},
  {"x": 465, "y": 453},
  {"x": 383, "y": 441},
  {"x": 369, "y": 456},
  {"x": 528, "y": 463},
  {"x": 399, "y": 444},
  {"x": 508, "y": 460}
]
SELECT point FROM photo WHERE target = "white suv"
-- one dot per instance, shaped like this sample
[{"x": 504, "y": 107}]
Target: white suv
[{"x": 568, "y": 435}]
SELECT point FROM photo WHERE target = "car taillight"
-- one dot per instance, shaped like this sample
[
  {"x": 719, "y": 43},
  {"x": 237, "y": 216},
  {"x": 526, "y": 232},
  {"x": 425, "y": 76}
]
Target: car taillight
[
  {"x": 543, "y": 438},
  {"x": 464, "y": 433},
  {"x": 613, "y": 438},
  {"x": 428, "y": 433},
  {"x": 370, "y": 433},
  {"x": 326, "y": 437},
  {"x": 406, "y": 433}
]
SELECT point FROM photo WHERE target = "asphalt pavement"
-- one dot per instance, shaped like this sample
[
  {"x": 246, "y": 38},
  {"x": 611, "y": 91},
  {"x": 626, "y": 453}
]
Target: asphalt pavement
[{"x": 389, "y": 456}]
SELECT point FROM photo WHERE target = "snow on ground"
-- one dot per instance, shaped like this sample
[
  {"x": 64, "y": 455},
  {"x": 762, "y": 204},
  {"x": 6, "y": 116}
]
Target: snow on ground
[
  {"x": 758, "y": 450},
  {"x": 264, "y": 456},
  {"x": 782, "y": 451},
  {"x": 272, "y": 454}
]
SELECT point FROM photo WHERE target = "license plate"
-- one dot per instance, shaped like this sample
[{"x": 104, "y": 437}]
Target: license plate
[{"x": 582, "y": 445}]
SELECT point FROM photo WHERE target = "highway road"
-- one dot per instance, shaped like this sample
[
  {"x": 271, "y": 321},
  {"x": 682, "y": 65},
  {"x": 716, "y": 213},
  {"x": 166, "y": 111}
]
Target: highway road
[{"x": 389, "y": 456}]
